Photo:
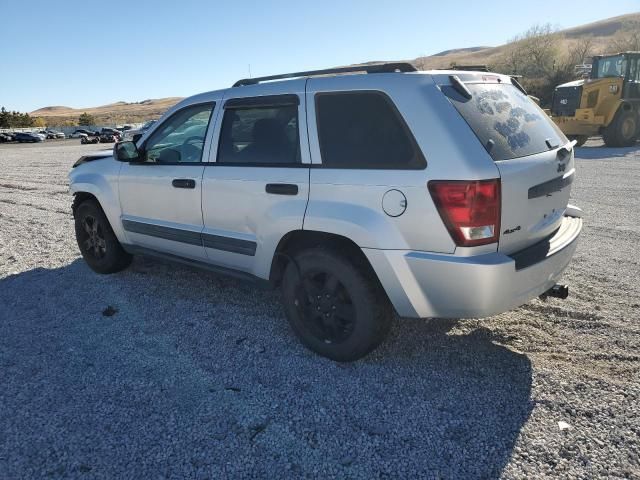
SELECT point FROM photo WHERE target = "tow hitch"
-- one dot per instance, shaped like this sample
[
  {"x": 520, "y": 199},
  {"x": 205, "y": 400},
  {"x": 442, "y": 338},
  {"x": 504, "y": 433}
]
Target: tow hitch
[{"x": 557, "y": 291}]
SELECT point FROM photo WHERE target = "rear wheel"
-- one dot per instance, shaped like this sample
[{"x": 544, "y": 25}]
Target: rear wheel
[
  {"x": 97, "y": 242},
  {"x": 623, "y": 130},
  {"x": 333, "y": 307},
  {"x": 580, "y": 139}
]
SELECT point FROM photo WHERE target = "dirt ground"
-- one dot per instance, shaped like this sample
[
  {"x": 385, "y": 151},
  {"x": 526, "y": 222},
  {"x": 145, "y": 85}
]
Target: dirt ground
[{"x": 198, "y": 376}]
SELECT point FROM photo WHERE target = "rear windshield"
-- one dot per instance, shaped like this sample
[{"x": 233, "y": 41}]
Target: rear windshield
[{"x": 508, "y": 123}]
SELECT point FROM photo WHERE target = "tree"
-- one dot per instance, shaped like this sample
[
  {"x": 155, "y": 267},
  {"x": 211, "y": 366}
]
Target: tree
[
  {"x": 533, "y": 53},
  {"x": 4, "y": 118},
  {"x": 86, "y": 119},
  {"x": 39, "y": 122},
  {"x": 14, "y": 119}
]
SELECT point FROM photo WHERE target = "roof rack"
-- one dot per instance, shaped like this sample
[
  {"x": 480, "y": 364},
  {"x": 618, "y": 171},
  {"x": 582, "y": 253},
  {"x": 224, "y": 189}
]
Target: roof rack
[
  {"x": 372, "y": 68},
  {"x": 472, "y": 68}
]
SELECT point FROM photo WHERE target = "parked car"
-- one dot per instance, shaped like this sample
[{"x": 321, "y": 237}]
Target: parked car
[
  {"x": 23, "y": 137},
  {"x": 117, "y": 134},
  {"x": 108, "y": 137},
  {"x": 131, "y": 134},
  {"x": 52, "y": 134},
  {"x": 87, "y": 139},
  {"x": 80, "y": 132},
  {"x": 434, "y": 194},
  {"x": 6, "y": 137}
]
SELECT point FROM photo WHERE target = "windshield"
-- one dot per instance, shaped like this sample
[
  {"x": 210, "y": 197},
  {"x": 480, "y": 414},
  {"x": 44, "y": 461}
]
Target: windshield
[
  {"x": 615, "y": 66},
  {"x": 507, "y": 122}
]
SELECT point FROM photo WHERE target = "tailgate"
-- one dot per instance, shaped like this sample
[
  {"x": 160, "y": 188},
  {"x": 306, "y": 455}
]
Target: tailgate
[
  {"x": 535, "y": 194},
  {"x": 534, "y": 158}
]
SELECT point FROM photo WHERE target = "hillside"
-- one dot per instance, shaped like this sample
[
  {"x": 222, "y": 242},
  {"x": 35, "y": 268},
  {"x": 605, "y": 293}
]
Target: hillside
[
  {"x": 601, "y": 32},
  {"x": 114, "y": 113}
]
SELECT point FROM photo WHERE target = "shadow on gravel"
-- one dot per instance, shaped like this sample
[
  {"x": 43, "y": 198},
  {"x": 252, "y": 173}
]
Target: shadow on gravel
[
  {"x": 165, "y": 371},
  {"x": 602, "y": 152}
]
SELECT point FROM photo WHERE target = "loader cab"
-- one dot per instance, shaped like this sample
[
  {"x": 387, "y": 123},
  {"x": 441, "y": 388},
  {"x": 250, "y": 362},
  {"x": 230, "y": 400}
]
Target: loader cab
[{"x": 623, "y": 65}]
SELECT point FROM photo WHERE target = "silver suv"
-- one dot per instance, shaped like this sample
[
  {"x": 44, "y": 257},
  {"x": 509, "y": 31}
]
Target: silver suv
[{"x": 434, "y": 194}]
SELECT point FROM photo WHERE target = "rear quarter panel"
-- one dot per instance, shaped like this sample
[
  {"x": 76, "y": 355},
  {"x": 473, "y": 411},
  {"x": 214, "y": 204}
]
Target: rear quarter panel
[{"x": 349, "y": 201}]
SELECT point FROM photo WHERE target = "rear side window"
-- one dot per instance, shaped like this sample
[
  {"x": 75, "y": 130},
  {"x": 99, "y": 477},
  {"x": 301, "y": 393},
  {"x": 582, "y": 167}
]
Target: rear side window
[
  {"x": 260, "y": 135},
  {"x": 507, "y": 122},
  {"x": 364, "y": 130}
]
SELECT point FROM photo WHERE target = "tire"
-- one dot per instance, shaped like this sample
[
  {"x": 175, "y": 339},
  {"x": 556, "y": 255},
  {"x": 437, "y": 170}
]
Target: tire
[
  {"x": 623, "y": 130},
  {"x": 580, "y": 139},
  {"x": 97, "y": 242},
  {"x": 333, "y": 307}
]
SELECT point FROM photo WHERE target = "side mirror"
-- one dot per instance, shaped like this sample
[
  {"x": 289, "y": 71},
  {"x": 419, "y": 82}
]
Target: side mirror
[{"x": 127, "y": 152}]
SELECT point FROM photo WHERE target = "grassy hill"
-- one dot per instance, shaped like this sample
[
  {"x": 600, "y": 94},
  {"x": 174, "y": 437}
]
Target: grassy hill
[
  {"x": 114, "y": 113},
  {"x": 601, "y": 33}
]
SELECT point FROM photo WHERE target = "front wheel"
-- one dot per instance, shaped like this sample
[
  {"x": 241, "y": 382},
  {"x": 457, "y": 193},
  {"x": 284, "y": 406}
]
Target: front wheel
[
  {"x": 97, "y": 242},
  {"x": 623, "y": 130},
  {"x": 334, "y": 308}
]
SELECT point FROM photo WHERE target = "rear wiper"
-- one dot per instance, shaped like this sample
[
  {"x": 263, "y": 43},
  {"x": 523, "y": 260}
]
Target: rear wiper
[{"x": 460, "y": 87}]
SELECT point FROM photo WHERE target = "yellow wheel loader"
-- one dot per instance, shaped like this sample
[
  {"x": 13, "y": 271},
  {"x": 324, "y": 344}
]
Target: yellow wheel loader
[{"x": 606, "y": 103}]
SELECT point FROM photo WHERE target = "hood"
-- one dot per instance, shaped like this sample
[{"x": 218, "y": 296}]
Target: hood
[{"x": 90, "y": 157}]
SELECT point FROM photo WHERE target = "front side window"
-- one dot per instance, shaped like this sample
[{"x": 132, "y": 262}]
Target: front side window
[
  {"x": 181, "y": 138},
  {"x": 260, "y": 135},
  {"x": 364, "y": 130}
]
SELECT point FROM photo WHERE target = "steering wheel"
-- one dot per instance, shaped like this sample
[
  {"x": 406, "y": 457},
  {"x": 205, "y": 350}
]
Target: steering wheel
[{"x": 191, "y": 152}]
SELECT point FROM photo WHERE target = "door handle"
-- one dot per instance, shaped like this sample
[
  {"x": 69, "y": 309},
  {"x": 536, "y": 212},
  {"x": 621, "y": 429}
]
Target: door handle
[
  {"x": 282, "y": 188},
  {"x": 183, "y": 183}
]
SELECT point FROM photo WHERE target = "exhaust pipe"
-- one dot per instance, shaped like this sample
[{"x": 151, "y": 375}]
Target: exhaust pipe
[{"x": 557, "y": 291}]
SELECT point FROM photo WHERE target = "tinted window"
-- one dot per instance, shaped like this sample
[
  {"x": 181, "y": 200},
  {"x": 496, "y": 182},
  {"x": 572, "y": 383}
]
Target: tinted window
[
  {"x": 260, "y": 135},
  {"x": 364, "y": 130},
  {"x": 180, "y": 138},
  {"x": 507, "y": 122}
]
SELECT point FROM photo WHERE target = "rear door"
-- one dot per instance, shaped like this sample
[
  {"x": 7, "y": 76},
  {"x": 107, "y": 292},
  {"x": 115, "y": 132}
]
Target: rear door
[
  {"x": 535, "y": 160},
  {"x": 256, "y": 187}
]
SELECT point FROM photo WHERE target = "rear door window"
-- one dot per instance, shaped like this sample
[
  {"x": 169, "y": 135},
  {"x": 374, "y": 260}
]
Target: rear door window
[
  {"x": 507, "y": 122},
  {"x": 364, "y": 130},
  {"x": 259, "y": 132}
]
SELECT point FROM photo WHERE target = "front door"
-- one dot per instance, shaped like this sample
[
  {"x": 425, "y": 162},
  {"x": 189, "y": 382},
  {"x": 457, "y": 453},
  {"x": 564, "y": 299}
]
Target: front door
[
  {"x": 160, "y": 197},
  {"x": 257, "y": 189}
]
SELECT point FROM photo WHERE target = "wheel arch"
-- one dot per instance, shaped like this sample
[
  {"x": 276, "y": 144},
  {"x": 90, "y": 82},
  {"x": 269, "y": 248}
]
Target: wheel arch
[
  {"x": 297, "y": 240},
  {"x": 106, "y": 199}
]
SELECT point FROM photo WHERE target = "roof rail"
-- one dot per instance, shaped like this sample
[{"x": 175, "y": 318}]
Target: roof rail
[
  {"x": 372, "y": 68},
  {"x": 472, "y": 68}
]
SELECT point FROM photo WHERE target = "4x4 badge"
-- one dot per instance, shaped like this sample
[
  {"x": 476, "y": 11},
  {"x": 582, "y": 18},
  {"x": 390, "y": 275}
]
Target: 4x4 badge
[
  {"x": 561, "y": 167},
  {"x": 511, "y": 230}
]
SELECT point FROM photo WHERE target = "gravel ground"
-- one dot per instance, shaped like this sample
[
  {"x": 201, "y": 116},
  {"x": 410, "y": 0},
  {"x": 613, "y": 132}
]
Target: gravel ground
[{"x": 166, "y": 372}]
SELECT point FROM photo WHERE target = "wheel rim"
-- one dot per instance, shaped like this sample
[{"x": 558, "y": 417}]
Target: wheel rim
[
  {"x": 93, "y": 237},
  {"x": 325, "y": 307},
  {"x": 628, "y": 128}
]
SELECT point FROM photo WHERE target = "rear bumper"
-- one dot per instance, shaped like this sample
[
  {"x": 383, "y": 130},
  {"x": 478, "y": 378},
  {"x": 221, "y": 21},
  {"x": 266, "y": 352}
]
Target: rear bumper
[{"x": 421, "y": 284}]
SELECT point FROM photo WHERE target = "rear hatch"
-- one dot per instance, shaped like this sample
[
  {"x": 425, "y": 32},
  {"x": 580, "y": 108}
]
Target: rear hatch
[{"x": 534, "y": 158}]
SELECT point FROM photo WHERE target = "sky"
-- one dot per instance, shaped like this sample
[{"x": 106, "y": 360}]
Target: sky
[{"x": 85, "y": 54}]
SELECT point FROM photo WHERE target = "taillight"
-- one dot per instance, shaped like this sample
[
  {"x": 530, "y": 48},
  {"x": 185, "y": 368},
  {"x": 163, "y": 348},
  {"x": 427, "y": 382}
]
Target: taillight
[{"x": 469, "y": 209}]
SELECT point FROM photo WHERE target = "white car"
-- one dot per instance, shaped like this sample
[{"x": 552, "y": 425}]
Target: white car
[
  {"x": 130, "y": 134},
  {"x": 434, "y": 194},
  {"x": 81, "y": 133}
]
